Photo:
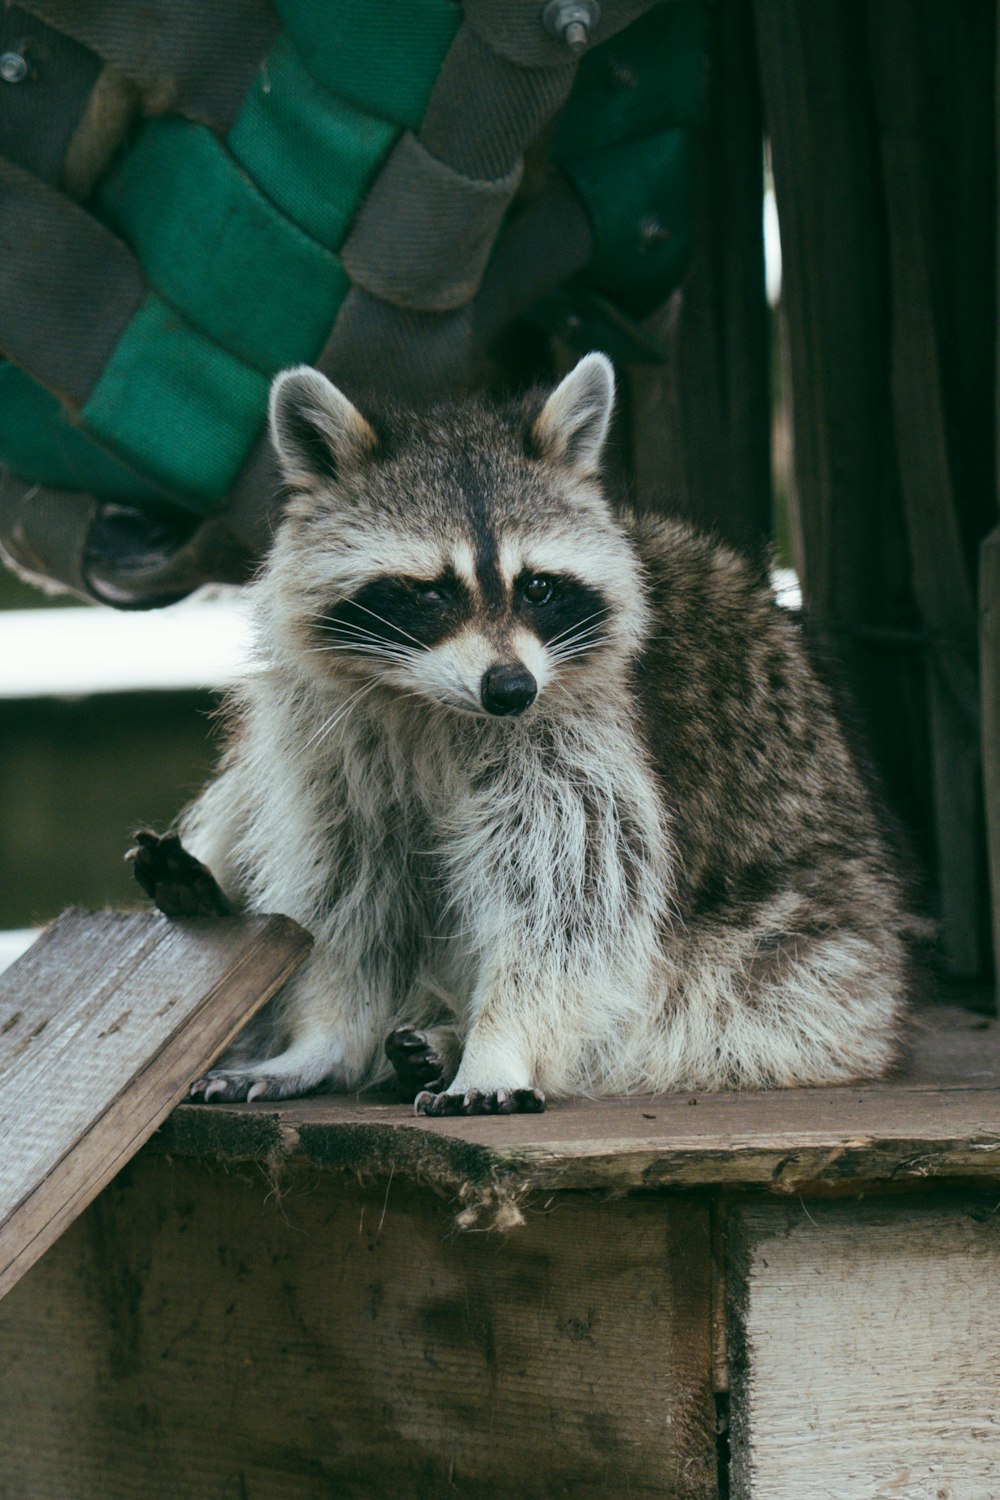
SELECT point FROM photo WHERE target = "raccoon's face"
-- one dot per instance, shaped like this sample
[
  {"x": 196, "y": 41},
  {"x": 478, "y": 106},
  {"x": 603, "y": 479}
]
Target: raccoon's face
[{"x": 467, "y": 557}]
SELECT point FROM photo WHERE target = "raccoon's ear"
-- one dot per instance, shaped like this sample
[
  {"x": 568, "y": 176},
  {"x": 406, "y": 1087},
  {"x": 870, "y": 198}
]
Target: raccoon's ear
[
  {"x": 573, "y": 423},
  {"x": 317, "y": 433}
]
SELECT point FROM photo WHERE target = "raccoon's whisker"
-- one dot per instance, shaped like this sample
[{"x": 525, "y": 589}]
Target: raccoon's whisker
[
  {"x": 577, "y": 624},
  {"x": 364, "y": 648},
  {"x": 581, "y": 635},
  {"x": 383, "y": 621},
  {"x": 581, "y": 648},
  {"x": 320, "y": 735},
  {"x": 349, "y": 632}
]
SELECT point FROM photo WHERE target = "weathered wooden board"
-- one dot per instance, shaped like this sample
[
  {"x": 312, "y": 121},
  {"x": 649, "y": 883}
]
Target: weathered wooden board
[
  {"x": 989, "y": 687},
  {"x": 103, "y": 1024},
  {"x": 790, "y": 1141},
  {"x": 202, "y": 1336},
  {"x": 864, "y": 1344}
]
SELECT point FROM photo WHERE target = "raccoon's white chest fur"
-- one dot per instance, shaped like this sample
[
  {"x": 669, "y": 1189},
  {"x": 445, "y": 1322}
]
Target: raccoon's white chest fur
[
  {"x": 555, "y": 785},
  {"x": 438, "y": 859}
]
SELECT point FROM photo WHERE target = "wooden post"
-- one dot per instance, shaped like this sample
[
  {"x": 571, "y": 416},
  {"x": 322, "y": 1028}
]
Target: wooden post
[
  {"x": 701, "y": 422},
  {"x": 854, "y": 562},
  {"x": 989, "y": 669},
  {"x": 879, "y": 123},
  {"x": 942, "y": 585}
]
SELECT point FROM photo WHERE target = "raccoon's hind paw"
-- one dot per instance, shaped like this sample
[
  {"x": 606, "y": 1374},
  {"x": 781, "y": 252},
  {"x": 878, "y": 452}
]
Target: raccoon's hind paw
[
  {"x": 479, "y": 1102},
  {"x": 179, "y": 884},
  {"x": 418, "y": 1061}
]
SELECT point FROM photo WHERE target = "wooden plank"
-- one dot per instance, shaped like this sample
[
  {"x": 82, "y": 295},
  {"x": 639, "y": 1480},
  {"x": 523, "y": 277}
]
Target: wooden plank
[
  {"x": 865, "y": 1345},
  {"x": 103, "y": 1024},
  {"x": 942, "y": 585},
  {"x": 701, "y": 421},
  {"x": 202, "y": 1336},
  {"x": 989, "y": 682},
  {"x": 940, "y": 1120},
  {"x": 853, "y": 555}
]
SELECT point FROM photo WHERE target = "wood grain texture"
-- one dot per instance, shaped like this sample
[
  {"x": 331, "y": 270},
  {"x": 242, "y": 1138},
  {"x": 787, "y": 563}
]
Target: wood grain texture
[
  {"x": 103, "y": 1024},
  {"x": 941, "y": 581},
  {"x": 989, "y": 681},
  {"x": 848, "y": 523},
  {"x": 203, "y": 1337},
  {"x": 864, "y": 1351},
  {"x": 940, "y": 1120},
  {"x": 705, "y": 411}
]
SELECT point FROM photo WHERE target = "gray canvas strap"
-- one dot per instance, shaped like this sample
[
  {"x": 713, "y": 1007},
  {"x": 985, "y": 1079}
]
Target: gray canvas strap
[
  {"x": 197, "y": 58},
  {"x": 43, "y": 532},
  {"x": 68, "y": 287},
  {"x": 424, "y": 233},
  {"x": 486, "y": 110}
]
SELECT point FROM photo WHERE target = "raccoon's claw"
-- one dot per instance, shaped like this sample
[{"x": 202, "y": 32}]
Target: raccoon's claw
[
  {"x": 418, "y": 1063},
  {"x": 481, "y": 1102},
  {"x": 179, "y": 884},
  {"x": 233, "y": 1087}
]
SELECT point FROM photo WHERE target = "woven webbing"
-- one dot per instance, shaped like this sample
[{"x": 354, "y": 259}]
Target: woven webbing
[
  {"x": 312, "y": 153},
  {"x": 68, "y": 287},
  {"x": 217, "y": 249},
  {"x": 515, "y": 30},
  {"x": 195, "y": 57},
  {"x": 424, "y": 233},
  {"x": 485, "y": 110},
  {"x": 380, "y": 55}
]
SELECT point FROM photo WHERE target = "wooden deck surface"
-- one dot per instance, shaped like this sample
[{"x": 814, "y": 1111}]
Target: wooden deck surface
[{"x": 939, "y": 1119}]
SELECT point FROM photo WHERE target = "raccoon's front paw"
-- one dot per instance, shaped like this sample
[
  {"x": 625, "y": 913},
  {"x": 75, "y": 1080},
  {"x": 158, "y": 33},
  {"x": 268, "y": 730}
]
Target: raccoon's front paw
[
  {"x": 229, "y": 1085},
  {"x": 179, "y": 884},
  {"x": 417, "y": 1061},
  {"x": 481, "y": 1102}
]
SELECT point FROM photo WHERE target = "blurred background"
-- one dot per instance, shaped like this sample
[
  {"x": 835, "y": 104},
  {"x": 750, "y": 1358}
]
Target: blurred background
[{"x": 106, "y": 725}]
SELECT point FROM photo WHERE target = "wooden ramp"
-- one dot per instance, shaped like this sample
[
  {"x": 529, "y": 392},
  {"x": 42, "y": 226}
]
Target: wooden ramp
[{"x": 104, "y": 1023}]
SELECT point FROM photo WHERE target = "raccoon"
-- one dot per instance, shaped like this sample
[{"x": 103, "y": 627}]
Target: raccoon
[{"x": 552, "y": 784}]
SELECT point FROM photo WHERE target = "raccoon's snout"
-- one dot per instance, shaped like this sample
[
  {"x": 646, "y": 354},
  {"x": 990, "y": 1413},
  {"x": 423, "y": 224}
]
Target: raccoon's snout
[{"x": 507, "y": 690}]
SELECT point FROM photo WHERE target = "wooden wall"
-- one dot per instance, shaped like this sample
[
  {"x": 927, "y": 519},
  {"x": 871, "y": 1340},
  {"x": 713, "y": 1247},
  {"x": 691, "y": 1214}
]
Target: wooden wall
[
  {"x": 216, "y": 1332},
  {"x": 198, "y": 1334}
]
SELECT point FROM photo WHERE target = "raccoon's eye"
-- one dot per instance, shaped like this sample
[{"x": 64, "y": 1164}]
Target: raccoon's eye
[
  {"x": 428, "y": 593},
  {"x": 538, "y": 590}
]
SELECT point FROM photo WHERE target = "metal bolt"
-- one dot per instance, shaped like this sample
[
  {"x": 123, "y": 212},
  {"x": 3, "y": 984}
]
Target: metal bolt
[
  {"x": 571, "y": 21},
  {"x": 13, "y": 67}
]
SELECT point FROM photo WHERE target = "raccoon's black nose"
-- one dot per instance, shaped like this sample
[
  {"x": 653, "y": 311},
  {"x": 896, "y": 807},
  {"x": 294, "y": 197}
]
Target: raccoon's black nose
[{"x": 507, "y": 690}]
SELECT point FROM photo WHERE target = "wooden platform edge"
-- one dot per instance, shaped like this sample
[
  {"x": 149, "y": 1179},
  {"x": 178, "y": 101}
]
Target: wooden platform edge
[{"x": 456, "y": 1155}]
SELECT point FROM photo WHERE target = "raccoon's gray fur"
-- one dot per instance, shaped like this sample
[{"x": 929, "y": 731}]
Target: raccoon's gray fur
[{"x": 555, "y": 780}]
